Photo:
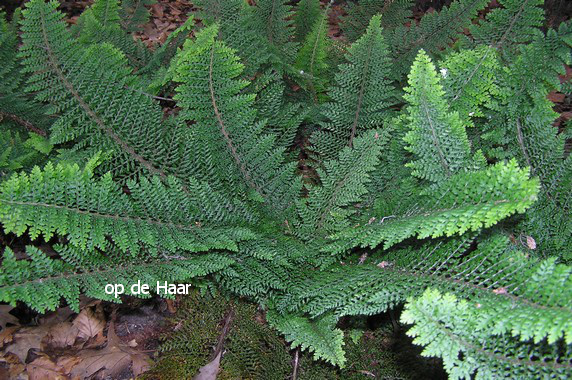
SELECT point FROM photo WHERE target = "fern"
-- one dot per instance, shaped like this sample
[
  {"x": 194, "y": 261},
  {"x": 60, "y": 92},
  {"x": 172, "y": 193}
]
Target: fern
[
  {"x": 312, "y": 57},
  {"x": 323, "y": 196},
  {"x": 361, "y": 95},
  {"x": 306, "y": 17},
  {"x": 320, "y": 335}
]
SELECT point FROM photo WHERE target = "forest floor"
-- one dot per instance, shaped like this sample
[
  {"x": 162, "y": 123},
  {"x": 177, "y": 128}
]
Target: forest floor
[{"x": 122, "y": 340}]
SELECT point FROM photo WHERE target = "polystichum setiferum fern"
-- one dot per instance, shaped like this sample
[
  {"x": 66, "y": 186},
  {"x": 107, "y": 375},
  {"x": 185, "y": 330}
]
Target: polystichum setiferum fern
[{"x": 437, "y": 179}]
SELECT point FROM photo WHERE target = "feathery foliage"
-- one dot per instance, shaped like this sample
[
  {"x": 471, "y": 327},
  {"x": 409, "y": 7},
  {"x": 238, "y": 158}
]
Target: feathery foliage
[{"x": 333, "y": 193}]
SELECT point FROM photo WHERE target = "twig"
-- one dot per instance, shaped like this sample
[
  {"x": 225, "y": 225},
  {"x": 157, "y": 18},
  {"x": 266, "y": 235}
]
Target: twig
[
  {"x": 25, "y": 123},
  {"x": 296, "y": 361}
]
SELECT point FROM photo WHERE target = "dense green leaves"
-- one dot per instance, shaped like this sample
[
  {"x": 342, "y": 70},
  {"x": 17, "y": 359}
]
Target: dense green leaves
[
  {"x": 297, "y": 171},
  {"x": 361, "y": 97}
]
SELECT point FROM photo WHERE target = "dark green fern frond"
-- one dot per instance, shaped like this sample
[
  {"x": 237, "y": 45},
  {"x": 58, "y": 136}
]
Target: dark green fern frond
[
  {"x": 236, "y": 153},
  {"x": 434, "y": 32},
  {"x": 273, "y": 20},
  {"x": 318, "y": 336},
  {"x": 362, "y": 95},
  {"x": 42, "y": 282},
  {"x": 437, "y": 137},
  {"x": 234, "y": 18},
  {"x": 154, "y": 217},
  {"x": 313, "y": 57},
  {"x": 307, "y": 13},
  {"x": 328, "y": 207},
  {"x": 134, "y": 14},
  {"x": 393, "y": 13},
  {"x": 91, "y": 89},
  {"x": 515, "y": 22},
  {"x": 98, "y": 30}
]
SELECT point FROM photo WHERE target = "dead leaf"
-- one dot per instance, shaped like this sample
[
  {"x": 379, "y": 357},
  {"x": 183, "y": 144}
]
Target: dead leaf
[
  {"x": 90, "y": 324},
  {"x": 25, "y": 339},
  {"x": 112, "y": 360},
  {"x": 60, "y": 315},
  {"x": 210, "y": 370},
  {"x": 171, "y": 306},
  {"x": 530, "y": 242},
  {"x": 7, "y": 335},
  {"x": 6, "y": 317},
  {"x": 44, "y": 368},
  {"x": 60, "y": 336},
  {"x": 13, "y": 365},
  {"x": 501, "y": 290}
]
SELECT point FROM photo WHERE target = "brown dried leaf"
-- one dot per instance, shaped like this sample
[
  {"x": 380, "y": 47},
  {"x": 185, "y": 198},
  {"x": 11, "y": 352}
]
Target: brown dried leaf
[
  {"x": 531, "y": 242},
  {"x": 90, "y": 324},
  {"x": 43, "y": 368},
  {"x": 60, "y": 336},
  {"x": 7, "y": 335},
  {"x": 111, "y": 360},
  {"x": 12, "y": 366},
  {"x": 210, "y": 370},
  {"x": 6, "y": 317},
  {"x": 26, "y": 339}
]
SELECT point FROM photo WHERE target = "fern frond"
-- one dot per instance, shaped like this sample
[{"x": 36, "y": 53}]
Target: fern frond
[
  {"x": 318, "y": 336},
  {"x": 153, "y": 217},
  {"x": 434, "y": 31},
  {"x": 306, "y": 16},
  {"x": 437, "y": 137},
  {"x": 87, "y": 87},
  {"x": 236, "y": 151},
  {"x": 134, "y": 14},
  {"x": 234, "y": 19},
  {"x": 42, "y": 282},
  {"x": 328, "y": 207},
  {"x": 465, "y": 202},
  {"x": 393, "y": 13},
  {"x": 313, "y": 56},
  {"x": 453, "y": 328},
  {"x": 361, "y": 97}
]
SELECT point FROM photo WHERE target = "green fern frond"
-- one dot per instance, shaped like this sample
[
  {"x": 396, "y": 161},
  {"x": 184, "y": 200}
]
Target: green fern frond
[
  {"x": 42, "y": 282},
  {"x": 362, "y": 95},
  {"x": 393, "y": 13},
  {"x": 134, "y": 14},
  {"x": 453, "y": 328},
  {"x": 318, "y": 336},
  {"x": 313, "y": 56},
  {"x": 328, "y": 207},
  {"x": 307, "y": 14},
  {"x": 153, "y": 217},
  {"x": 437, "y": 136},
  {"x": 236, "y": 153},
  {"x": 465, "y": 202}
]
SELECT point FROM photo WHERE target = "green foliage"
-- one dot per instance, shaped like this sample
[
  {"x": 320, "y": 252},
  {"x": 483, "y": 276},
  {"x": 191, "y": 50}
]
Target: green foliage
[
  {"x": 235, "y": 21},
  {"x": 93, "y": 210},
  {"x": 134, "y": 14},
  {"x": 437, "y": 137},
  {"x": 393, "y": 14},
  {"x": 313, "y": 55},
  {"x": 233, "y": 144},
  {"x": 273, "y": 20},
  {"x": 481, "y": 334},
  {"x": 319, "y": 336},
  {"x": 435, "y": 31},
  {"x": 515, "y": 22},
  {"x": 321, "y": 200},
  {"x": 42, "y": 282},
  {"x": 306, "y": 17},
  {"x": 361, "y": 97}
]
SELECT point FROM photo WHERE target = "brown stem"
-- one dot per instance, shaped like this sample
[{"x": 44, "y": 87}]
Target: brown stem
[{"x": 25, "y": 123}]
